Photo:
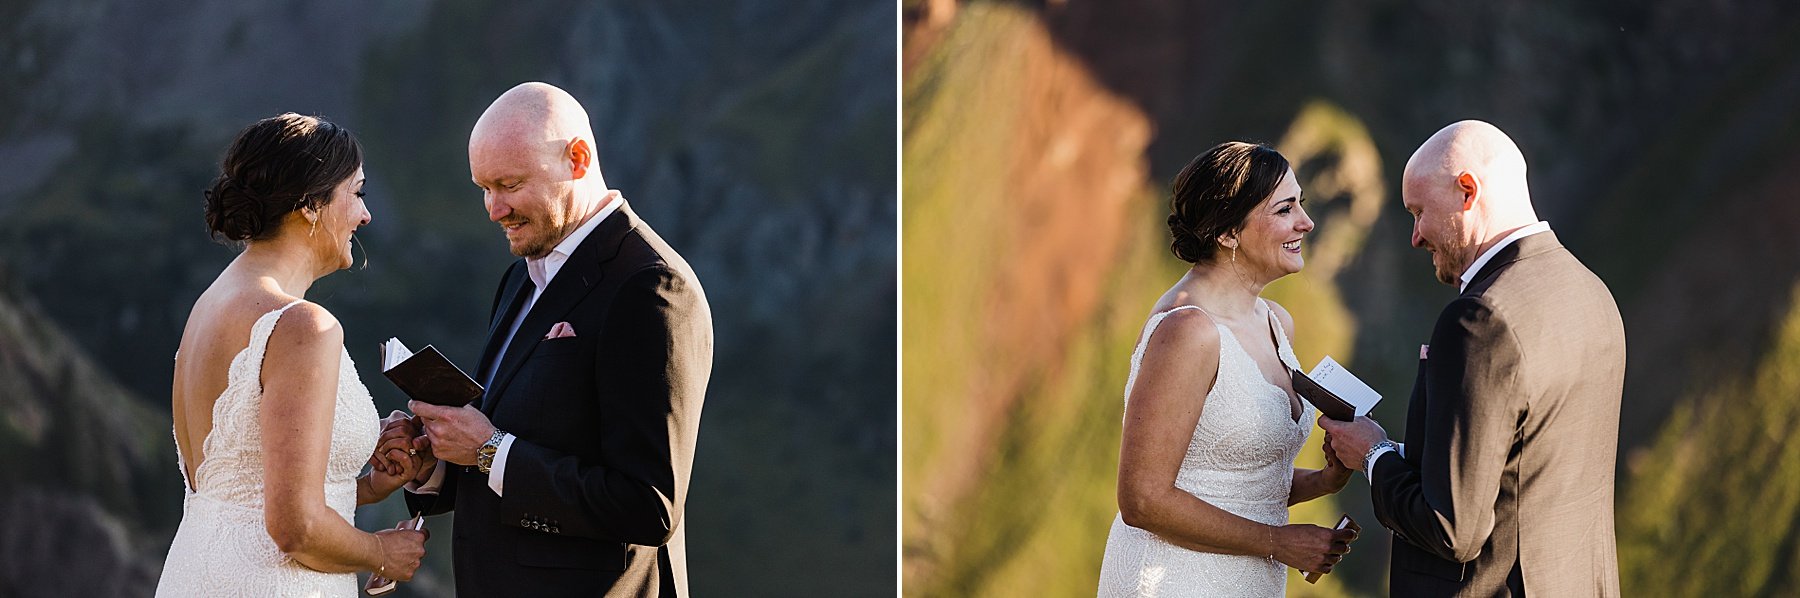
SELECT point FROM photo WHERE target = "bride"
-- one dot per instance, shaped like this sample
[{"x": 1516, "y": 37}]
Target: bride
[
  {"x": 1211, "y": 424},
  {"x": 272, "y": 424}
]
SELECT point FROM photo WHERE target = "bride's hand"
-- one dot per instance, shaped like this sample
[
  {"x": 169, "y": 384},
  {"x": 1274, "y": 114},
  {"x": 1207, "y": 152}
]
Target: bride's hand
[
  {"x": 1334, "y": 471},
  {"x": 398, "y": 458},
  {"x": 407, "y": 468},
  {"x": 401, "y": 550},
  {"x": 398, "y": 431},
  {"x": 421, "y": 447},
  {"x": 1311, "y": 548}
]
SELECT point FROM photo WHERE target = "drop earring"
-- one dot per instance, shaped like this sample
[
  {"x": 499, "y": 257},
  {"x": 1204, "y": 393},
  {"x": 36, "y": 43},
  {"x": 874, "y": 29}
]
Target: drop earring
[{"x": 1239, "y": 272}]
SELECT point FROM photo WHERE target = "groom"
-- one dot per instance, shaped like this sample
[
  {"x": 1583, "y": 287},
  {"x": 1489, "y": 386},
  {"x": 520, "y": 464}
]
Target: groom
[
  {"x": 1505, "y": 484},
  {"x": 570, "y": 475}
]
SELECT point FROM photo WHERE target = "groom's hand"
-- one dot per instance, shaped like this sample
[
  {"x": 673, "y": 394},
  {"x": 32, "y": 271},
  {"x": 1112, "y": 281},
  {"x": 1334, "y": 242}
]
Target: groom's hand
[
  {"x": 455, "y": 432},
  {"x": 1352, "y": 439}
]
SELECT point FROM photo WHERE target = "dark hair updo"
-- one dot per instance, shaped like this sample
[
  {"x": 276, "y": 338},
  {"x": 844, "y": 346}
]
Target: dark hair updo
[
  {"x": 1216, "y": 192},
  {"x": 278, "y": 165}
]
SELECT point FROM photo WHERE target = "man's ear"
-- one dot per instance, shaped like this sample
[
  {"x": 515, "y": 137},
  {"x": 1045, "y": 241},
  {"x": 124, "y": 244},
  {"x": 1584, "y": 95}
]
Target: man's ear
[
  {"x": 581, "y": 155},
  {"x": 1469, "y": 186}
]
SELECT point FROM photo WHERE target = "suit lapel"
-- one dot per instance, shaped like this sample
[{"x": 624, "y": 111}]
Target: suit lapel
[
  {"x": 518, "y": 287},
  {"x": 571, "y": 284},
  {"x": 1415, "y": 414}
]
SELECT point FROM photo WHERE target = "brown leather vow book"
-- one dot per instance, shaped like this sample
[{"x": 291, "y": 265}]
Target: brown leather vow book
[
  {"x": 427, "y": 376},
  {"x": 1317, "y": 387},
  {"x": 1330, "y": 404}
]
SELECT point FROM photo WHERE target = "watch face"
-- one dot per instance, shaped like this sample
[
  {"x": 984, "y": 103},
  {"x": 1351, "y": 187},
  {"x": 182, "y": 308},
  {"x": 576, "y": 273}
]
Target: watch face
[{"x": 484, "y": 456}]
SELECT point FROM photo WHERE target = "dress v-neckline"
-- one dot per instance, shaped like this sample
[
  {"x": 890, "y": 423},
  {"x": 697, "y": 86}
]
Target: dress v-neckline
[{"x": 1289, "y": 399}]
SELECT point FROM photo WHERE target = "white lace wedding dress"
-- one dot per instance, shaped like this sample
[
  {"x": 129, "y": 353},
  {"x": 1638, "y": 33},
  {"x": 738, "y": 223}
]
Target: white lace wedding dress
[
  {"x": 222, "y": 547},
  {"x": 1240, "y": 459}
]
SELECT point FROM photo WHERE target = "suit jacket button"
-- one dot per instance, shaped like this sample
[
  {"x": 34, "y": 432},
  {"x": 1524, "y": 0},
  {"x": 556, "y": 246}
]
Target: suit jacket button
[
  {"x": 555, "y": 530},
  {"x": 525, "y": 522}
]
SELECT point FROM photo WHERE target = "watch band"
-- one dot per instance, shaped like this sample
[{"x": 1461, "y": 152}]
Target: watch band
[
  {"x": 484, "y": 456},
  {"x": 1371, "y": 452}
]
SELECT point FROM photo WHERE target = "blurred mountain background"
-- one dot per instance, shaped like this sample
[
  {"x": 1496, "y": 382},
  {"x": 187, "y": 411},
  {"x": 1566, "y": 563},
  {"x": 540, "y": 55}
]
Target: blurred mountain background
[
  {"x": 1039, "y": 139},
  {"x": 758, "y": 138}
]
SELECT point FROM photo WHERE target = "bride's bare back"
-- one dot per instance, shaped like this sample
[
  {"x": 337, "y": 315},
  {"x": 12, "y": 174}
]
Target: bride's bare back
[{"x": 218, "y": 329}]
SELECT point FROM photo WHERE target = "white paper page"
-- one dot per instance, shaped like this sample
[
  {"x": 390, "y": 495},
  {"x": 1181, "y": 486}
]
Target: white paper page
[
  {"x": 1345, "y": 385},
  {"x": 392, "y": 353}
]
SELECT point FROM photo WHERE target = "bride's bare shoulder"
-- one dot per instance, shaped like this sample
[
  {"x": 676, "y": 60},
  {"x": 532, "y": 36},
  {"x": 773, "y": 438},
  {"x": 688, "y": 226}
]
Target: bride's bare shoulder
[
  {"x": 1183, "y": 327},
  {"x": 227, "y": 313},
  {"x": 305, "y": 325}
]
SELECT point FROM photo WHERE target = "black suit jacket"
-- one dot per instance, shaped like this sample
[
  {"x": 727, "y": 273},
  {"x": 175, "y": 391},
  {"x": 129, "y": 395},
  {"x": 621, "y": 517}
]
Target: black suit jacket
[
  {"x": 1506, "y": 487},
  {"x": 605, "y": 424}
]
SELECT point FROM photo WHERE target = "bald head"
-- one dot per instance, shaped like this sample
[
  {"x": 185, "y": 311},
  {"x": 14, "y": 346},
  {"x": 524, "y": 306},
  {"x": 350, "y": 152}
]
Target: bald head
[
  {"x": 538, "y": 119},
  {"x": 1480, "y": 150},
  {"x": 1465, "y": 188}
]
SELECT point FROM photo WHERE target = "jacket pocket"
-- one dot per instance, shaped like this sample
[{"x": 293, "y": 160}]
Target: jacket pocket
[
  {"x": 538, "y": 549},
  {"x": 556, "y": 346},
  {"x": 1411, "y": 558}
]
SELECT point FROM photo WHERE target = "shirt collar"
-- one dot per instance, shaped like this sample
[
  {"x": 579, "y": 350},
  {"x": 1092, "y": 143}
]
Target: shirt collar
[
  {"x": 1526, "y": 231},
  {"x": 543, "y": 269}
]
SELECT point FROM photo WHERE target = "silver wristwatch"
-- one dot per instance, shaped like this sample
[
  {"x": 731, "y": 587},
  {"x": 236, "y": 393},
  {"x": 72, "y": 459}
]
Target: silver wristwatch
[
  {"x": 484, "y": 456},
  {"x": 1365, "y": 459}
]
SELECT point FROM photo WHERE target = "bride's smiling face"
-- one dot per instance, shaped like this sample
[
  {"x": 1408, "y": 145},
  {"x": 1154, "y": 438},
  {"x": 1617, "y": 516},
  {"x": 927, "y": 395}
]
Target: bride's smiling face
[
  {"x": 1270, "y": 242},
  {"x": 338, "y": 221}
]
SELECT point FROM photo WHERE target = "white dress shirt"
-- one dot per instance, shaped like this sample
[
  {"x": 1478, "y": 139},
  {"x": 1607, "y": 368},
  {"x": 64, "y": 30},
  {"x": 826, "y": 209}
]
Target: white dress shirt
[
  {"x": 541, "y": 271},
  {"x": 1467, "y": 277}
]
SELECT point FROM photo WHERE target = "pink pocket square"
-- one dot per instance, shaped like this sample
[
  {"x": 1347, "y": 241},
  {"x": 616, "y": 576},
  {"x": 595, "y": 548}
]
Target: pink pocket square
[{"x": 560, "y": 330}]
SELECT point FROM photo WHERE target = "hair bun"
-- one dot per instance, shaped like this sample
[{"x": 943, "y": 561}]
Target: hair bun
[
  {"x": 232, "y": 211},
  {"x": 1185, "y": 244}
]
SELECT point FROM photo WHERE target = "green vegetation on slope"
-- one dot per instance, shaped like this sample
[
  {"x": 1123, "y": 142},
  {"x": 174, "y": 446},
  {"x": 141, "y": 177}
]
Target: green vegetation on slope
[{"x": 1709, "y": 508}]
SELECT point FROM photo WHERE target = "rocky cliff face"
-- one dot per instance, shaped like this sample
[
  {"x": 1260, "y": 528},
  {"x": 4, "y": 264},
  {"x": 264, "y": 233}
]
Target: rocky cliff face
[
  {"x": 1658, "y": 138},
  {"x": 757, "y": 139},
  {"x": 1019, "y": 168},
  {"x": 86, "y": 481}
]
